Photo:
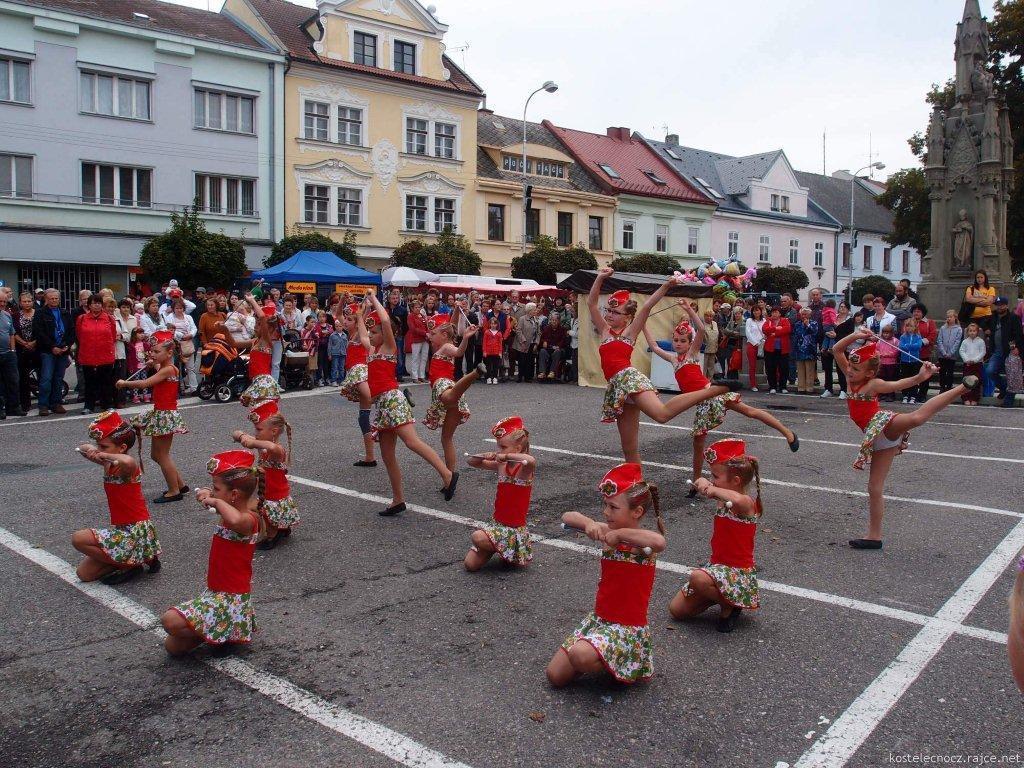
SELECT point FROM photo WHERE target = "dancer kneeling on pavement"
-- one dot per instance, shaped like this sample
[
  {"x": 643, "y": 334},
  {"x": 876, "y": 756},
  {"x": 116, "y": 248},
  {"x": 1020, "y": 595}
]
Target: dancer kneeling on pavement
[
  {"x": 710, "y": 414},
  {"x": 278, "y": 508},
  {"x": 393, "y": 418},
  {"x": 886, "y": 434},
  {"x": 729, "y": 579},
  {"x": 164, "y": 421},
  {"x": 448, "y": 408},
  {"x": 629, "y": 392},
  {"x": 117, "y": 553},
  {"x": 508, "y": 536},
  {"x": 223, "y": 612},
  {"x": 615, "y": 637},
  {"x": 354, "y": 386}
]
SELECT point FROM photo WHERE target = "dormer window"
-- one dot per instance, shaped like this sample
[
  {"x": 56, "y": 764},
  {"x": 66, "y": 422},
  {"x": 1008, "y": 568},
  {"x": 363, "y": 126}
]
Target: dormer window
[
  {"x": 364, "y": 49},
  {"x": 536, "y": 167},
  {"x": 785, "y": 204},
  {"x": 775, "y": 203},
  {"x": 672, "y": 154},
  {"x": 655, "y": 178},
  {"x": 405, "y": 57},
  {"x": 612, "y": 174}
]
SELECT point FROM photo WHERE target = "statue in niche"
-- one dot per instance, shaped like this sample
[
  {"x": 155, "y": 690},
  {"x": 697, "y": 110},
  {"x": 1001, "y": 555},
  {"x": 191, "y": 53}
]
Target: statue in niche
[
  {"x": 963, "y": 243},
  {"x": 982, "y": 82}
]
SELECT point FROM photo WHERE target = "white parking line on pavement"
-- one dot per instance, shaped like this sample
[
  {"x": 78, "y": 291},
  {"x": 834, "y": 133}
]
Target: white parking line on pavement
[
  {"x": 835, "y": 442},
  {"x": 375, "y": 736},
  {"x": 852, "y": 728},
  {"x": 801, "y": 486},
  {"x": 772, "y": 586}
]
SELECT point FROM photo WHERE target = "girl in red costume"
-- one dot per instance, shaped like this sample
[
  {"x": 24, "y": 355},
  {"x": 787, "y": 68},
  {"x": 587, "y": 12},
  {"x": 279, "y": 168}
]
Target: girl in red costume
[
  {"x": 278, "y": 508},
  {"x": 164, "y": 421},
  {"x": 223, "y": 612},
  {"x": 730, "y": 578},
  {"x": 355, "y": 387},
  {"x": 117, "y": 553},
  {"x": 393, "y": 418},
  {"x": 448, "y": 408},
  {"x": 629, "y": 392},
  {"x": 262, "y": 385},
  {"x": 508, "y": 535},
  {"x": 615, "y": 636},
  {"x": 710, "y": 414},
  {"x": 886, "y": 434}
]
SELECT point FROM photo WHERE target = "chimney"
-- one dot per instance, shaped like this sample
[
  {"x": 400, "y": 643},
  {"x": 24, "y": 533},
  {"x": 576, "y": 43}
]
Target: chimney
[
  {"x": 672, "y": 139},
  {"x": 619, "y": 134}
]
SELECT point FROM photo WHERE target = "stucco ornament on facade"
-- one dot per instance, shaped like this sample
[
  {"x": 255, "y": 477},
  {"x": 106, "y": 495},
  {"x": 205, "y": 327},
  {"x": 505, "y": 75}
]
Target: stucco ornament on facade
[
  {"x": 429, "y": 183},
  {"x": 430, "y": 111},
  {"x": 384, "y": 161},
  {"x": 332, "y": 172}
]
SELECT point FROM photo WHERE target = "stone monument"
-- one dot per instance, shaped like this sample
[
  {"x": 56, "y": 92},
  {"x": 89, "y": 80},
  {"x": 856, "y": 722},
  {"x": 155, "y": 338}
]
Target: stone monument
[{"x": 969, "y": 167}]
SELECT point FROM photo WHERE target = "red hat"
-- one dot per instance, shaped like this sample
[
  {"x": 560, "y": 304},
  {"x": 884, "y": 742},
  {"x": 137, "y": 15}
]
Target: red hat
[
  {"x": 724, "y": 450},
  {"x": 106, "y": 424},
  {"x": 507, "y": 426},
  {"x": 864, "y": 353},
  {"x": 351, "y": 309},
  {"x": 223, "y": 462},
  {"x": 372, "y": 320},
  {"x": 618, "y": 298},
  {"x": 436, "y": 321},
  {"x": 263, "y": 411},
  {"x": 175, "y": 293},
  {"x": 684, "y": 329},
  {"x": 163, "y": 336},
  {"x": 621, "y": 479},
  {"x": 269, "y": 310}
]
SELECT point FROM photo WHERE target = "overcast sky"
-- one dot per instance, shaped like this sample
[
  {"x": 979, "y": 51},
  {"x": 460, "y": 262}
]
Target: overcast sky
[{"x": 737, "y": 77}]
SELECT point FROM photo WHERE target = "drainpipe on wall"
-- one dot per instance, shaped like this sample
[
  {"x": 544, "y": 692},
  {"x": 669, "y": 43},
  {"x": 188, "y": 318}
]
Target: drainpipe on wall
[
  {"x": 835, "y": 261},
  {"x": 272, "y": 140}
]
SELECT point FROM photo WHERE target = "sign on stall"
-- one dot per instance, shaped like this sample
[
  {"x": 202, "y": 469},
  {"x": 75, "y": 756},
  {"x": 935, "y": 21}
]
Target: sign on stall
[
  {"x": 353, "y": 288},
  {"x": 297, "y": 287}
]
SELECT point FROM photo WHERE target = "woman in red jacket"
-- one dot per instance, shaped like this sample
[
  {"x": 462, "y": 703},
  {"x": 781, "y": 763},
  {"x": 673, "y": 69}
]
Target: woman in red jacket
[
  {"x": 776, "y": 351},
  {"x": 96, "y": 332}
]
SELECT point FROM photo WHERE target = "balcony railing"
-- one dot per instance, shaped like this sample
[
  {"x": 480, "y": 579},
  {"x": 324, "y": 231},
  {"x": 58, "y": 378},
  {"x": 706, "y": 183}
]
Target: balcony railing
[{"x": 120, "y": 205}]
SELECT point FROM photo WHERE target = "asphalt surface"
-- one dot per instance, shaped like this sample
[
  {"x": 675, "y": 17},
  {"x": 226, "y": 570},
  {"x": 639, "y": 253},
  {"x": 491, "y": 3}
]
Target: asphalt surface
[{"x": 377, "y": 618}]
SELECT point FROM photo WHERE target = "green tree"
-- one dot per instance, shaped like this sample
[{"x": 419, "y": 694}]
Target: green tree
[
  {"x": 906, "y": 195},
  {"x": 188, "y": 252},
  {"x": 301, "y": 240},
  {"x": 546, "y": 259},
  {"x": 646, "y": 263},
  {"x": 780, "y": 280},
  {"x": 452, "y": 253},
  {"x": 876, "y": 285}
]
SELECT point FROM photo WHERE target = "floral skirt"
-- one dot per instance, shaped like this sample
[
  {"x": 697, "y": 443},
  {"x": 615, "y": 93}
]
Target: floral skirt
[
  {"x": 625, "y": 651},
  {"x": 737, "y": 585},
  {"x": 393, "y": 410},
  {"x": 283, "y": 513},
  {"x": 710, "y": 414},
  {"x": 437, "y": 410},
  {"x": 220, "y": 617},
  {"x": 263, "y": 387},
  {"x": 875, "y": 439},
  {"x": 513, "y": 545},
  {"x": 628, "y": 381},
  {"x": 356, "y": 375},
  {"x": 156, "y": 423},
  {"x": 129, "y": 545}
]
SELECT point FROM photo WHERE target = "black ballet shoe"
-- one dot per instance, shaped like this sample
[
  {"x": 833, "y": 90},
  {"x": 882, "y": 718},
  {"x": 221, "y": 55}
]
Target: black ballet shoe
[
  {"x": 481, "y": 370},
  {"x": 271, "y": 542},
  {"x": 692, "y": 493},
  {"x": 408, "y": 397},
  {"x": 795, "y": 445},
  {"x": 155, "y": 565},
  {"x": 184, "y": 489},
  {"x": 970, "y": 381},
  {"x": 727, "y": 624},
  {"x": 449, "y": 490},
  {"x": 393, "y": 510},
  {"x": 164, "y": 499},
  {"x": 285, "y": 532},
  {"x": 365, "y": 463},
  {"x": 121, "y": 575},
  {"x": 733, "y": 385},
  {"x": 865, "y": 544}
]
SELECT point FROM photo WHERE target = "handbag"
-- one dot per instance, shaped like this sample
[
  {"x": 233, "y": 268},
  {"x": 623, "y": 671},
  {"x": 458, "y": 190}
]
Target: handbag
[
  {"x": 966, "y": 313},
  {"x": 736, "y": 360}
]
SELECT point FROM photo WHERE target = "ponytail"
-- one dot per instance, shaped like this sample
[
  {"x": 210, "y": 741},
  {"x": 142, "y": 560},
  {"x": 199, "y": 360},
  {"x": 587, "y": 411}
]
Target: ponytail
[
  {"x": 137, "y": 428},
  {"x": 288, "y": 455},
  {"x": 757, "y": 483},
  {"x": 656, "y": 503}
]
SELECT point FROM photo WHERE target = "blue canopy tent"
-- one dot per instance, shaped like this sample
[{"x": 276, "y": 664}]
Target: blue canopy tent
[{"x": 321, "y": 267}]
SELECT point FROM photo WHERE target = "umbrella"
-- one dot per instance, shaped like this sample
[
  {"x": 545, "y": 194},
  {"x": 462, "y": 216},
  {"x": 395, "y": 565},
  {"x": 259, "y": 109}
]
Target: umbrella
[{"x": 406, "y": 277}]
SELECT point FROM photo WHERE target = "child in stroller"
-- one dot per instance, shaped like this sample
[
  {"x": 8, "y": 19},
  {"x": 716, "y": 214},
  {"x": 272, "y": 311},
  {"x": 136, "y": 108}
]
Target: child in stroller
[
  {"x": 295, "y": 371},
  {"x": 224, "y": 370}
]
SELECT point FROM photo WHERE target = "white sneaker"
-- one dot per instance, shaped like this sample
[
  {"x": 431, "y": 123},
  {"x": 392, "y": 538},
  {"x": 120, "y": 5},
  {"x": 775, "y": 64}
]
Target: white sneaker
[
  {"x": 913, "y": 400},
  {"x": 772, "y": 392},
  {"x": 785, "y": 391},
  {"x": 906, "y": 399},
  {"x": 754, "y": 389},
  {"x": 842, "y": 395},
  {"x": 826, "y": 393}
]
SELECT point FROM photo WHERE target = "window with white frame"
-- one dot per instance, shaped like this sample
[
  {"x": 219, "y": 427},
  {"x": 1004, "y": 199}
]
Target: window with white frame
[
  {"x": 775, "y": 202},
  {"x": 416, "y": 213},
  {"x": 364, "y": 49},
  {"x": 223, "y": 111},
  {"x": 317, "y": 199},
  {"x": 794, "y": 251},
  {"x": 350, "y": 126},
  {"x": 15, "y": 176},
  {"x": 661, "y": 238},
  {"x": 405, "y": 57},
  {"x": 437, "y": 139},
  {"x": 628, "y": 232},
  {"x": 906, "y": 262},
  {"x": 444, "y": 213},
  {"x": 819, "y": 254},
  {"x": 444, "y": 140},
  {"x": 887, "y": 259},
  {"x": 847, "y": 258},
  {"x": 416, "y": 131},
  {"x": 232, "y": 195},
  {"x": 785, "y": 204},
  {"x": 117, "y": 185},
  {"x": 734, "y": 245},
  {"x": 764, "y": 248},
  {"x": 316, "y": 120},
  {"x": 692, "y": 240},
  {"x": 114, "y": 95},
  {"x": 14, "y": 81},
  {"x": 867, "y": 258},
  {"x": 350, "y": 207}
]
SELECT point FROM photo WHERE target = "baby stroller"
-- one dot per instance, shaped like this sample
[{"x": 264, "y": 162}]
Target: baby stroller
[
  {"x": 295, "y": 362},
  {"x": 225, "y": 371}
]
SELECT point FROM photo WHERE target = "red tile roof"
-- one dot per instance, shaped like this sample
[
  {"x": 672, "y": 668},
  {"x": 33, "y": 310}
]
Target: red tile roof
[
  {"x": 629, "y": 158},
  {"x": 288, "y": 22},
  {"x": 163, "y": 17}
]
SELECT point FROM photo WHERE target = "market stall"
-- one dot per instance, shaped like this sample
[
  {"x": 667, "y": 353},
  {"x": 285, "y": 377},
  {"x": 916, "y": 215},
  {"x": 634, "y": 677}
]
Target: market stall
[{"x": 317, "y": 272}]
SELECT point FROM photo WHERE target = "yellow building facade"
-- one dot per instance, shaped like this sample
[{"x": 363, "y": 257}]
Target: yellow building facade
[{"x": 379, "y": 125}]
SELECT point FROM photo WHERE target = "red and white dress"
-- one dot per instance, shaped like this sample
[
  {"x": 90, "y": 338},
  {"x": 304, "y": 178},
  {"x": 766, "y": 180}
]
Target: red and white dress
[
  {"x": 709, "y": 414},
  {"x": 278, "y": 506},
  {"x": 223, "y": 612},
  {"x": 867, "y": 414},
  {"x": 164, "y": 418},
  {"x": 262, "y": 386},
  {"x": 508, "y": 533},
  {"x": 624, "y": 380},
  {"x": 131, "y": 538},
  {"x": 732, "y": 565},
  {"x": 617, "y": 628},
  {"x": 356, "y": 371},
  {"x": 392, "y": 407},
  {"x": 441, "y": 373}
]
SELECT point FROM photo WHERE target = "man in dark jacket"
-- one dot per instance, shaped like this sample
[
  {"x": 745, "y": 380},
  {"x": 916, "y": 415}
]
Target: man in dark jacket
[
  {"x": 54, "y": 331},
  {"x": 399, "y": 312},
  {"x": 1006, "y": 327}
]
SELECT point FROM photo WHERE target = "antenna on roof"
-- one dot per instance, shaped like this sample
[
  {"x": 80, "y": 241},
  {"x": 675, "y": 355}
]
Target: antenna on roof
[
  {"x": 824, "y": 156},
  {"x": 664, "y": 127},
  {"x": 461, "y": 49}
]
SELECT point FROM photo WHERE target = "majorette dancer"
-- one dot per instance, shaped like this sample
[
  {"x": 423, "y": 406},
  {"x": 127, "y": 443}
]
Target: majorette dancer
[{"x": 355, "y": 387}]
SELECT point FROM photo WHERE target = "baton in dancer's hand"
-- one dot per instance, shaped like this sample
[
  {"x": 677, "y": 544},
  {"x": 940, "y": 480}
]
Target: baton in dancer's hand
[
  {"x": 898, "y": 349},
  {"x": 728, "y": 504},
  {"x": 107, "y": 460},
  {"x": 566, "y": 527},
  {"x": 483, "y": 457}
]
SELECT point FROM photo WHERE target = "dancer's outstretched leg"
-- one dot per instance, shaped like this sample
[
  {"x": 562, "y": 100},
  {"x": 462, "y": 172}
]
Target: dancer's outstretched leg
[
  {"x": 902, "y": 423},
  {"x": 764, "y": 417},
  {"x": 651, "y": 404},
  {"x": 450, "y": 397},
  {"x": 628, "y": 423}
]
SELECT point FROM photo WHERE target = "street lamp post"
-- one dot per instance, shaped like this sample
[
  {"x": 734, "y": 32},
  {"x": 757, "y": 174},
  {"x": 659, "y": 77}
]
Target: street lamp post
[
  {"x": 853, "y": 187},
  {"x": 550, "y": 87}
]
